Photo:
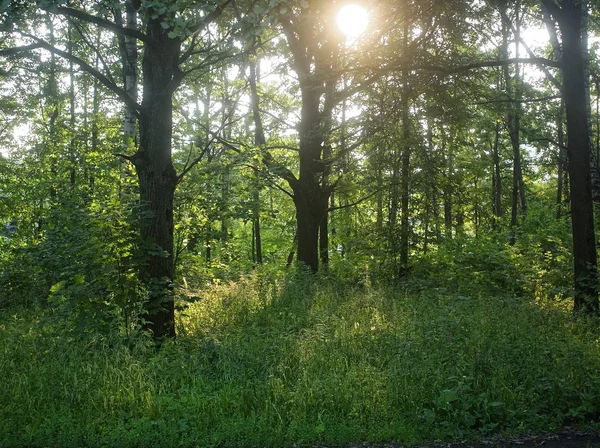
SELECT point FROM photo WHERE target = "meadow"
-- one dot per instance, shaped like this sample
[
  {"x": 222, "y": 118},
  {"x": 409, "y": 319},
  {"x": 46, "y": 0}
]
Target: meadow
[{"x": 287, "y": 359}]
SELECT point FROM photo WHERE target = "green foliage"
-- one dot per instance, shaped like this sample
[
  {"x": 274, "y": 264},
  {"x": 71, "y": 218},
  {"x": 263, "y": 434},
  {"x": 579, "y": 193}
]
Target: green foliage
[
  {"x": 473, "y": 267},
  {"x": 89, "y": 259},
  {"x": 279, "y": 360},
  {"x": 83, "y": 269}
]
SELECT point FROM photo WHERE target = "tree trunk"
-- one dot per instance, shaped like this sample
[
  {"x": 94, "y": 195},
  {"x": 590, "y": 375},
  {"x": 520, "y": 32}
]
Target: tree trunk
[
  {"x": 317, "y": 79},
  {"x": 259, "y": 140},
  {"x": 448, "y": 192},
  {"x": 497, "y": 178},
  {"x": 569, "y": 14},
  {"x": 405, "y": 173},
  {"x": 157, "y": 177},
  {"x": 310, "y": 196},
  {"x": 561, "y": 160},
  {"x": 513, "y": 91}
]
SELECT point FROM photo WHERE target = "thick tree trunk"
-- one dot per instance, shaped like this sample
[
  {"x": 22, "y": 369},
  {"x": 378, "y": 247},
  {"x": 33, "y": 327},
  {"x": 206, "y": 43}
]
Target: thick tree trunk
[
  {"x": 311, "y": 209},
  {"x": 569, "y": 15},
  {"x": 157, "y": 177},
  {"x": 317, "y": 79},
  {"x": 311, "y": 197}
]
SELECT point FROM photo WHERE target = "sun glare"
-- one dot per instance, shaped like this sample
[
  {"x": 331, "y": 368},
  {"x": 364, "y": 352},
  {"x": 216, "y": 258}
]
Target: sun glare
[{"x": 352, "y": 20}]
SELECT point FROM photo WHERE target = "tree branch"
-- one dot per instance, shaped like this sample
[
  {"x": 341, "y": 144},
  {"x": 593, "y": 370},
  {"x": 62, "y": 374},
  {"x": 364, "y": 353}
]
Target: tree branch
[
  {"x": 549, "y": 75},
  {"x": 122, "y": 94},
  {"x": 530, "y": 100},
  {"x": 16, "y": 50},
  {"x": 363, "y": 199},
  {"x": 214, "y": 15},
  {"x": 102, "y": 23}
]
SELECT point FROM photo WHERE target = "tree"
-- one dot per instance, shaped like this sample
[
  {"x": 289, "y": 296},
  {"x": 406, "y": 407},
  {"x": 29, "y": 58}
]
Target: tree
[
  {"x": 570, "y": 15},
  {"x": 171, "y": 38}
]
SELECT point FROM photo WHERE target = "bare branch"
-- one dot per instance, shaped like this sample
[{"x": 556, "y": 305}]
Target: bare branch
[
  {"x": 214, "y": 15},
  {"x": 14, "y": 51},
  {"x": 103, "y": 23},
  {"x": 549, "y": 75},
  {"x": 530, "y": 100},
  {"x": 124, "y": 156},
  {"x": 122, "y": 94},
  {"x": 363, "y": 199}
]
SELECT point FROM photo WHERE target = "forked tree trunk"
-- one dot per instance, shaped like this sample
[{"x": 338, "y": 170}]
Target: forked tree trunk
[{"x": 317, "y": 79}]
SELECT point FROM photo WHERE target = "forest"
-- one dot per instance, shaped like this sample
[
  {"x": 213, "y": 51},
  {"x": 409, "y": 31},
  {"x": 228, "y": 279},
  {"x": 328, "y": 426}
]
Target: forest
[{"x": 298, "y": 222}]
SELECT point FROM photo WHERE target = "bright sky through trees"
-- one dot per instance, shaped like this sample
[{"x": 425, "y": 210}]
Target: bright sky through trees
[{"x": 352, "y": 20}]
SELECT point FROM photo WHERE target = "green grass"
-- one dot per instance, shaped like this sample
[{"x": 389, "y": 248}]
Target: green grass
[{"x": 281, "y": 361}]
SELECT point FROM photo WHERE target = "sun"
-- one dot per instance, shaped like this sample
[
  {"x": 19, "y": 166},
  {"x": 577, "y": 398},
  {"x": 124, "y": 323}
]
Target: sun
[{"x": 352, "y": 20}]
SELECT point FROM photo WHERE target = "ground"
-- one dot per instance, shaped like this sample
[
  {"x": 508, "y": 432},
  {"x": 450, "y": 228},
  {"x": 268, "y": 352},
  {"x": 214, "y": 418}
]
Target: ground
[{"x": 563, "y": 439}]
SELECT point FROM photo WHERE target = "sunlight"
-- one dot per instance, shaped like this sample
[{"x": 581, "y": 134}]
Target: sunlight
[{"x": 352, "y": 20}]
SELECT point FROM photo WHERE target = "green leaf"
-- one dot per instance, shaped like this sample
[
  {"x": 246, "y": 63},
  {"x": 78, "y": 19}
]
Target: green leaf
[{"x": 57, "y": 287}]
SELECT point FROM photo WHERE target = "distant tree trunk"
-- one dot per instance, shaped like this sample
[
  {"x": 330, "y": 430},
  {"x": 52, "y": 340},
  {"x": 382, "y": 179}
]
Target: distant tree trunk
[
  {"x": 129, "y": 57},
  {"x": 513, "y": 90},
  {"x": 52, "y": 103},
  {"x": 72, "y": 105},
  {"x": 259, "y": 140},
  {"x": 561, "y": 160},
  {"x": 379, "y": 175},
  {"x": 95, "y": 113},
  {"x": 594, "y": 156},
  {"x": 292, "y": 252},
  {"x": 405, "y": 175},
  {"x": 224, "y": 235},
  {"x": 324, "y": 227},
  {"x": 570, "y": 17},
  {"x": 448, "y": 192},
  {"x": 428, "y": 186},
  {"x": 497, "y": 177},
  {"x": 435, "y": 207}
]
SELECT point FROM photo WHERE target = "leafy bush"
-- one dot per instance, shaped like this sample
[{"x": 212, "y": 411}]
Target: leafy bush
[{"x": 83, "y": 268}]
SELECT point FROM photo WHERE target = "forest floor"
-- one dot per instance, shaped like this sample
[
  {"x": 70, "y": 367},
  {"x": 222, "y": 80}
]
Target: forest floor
[{"x": 563, "y": 439}]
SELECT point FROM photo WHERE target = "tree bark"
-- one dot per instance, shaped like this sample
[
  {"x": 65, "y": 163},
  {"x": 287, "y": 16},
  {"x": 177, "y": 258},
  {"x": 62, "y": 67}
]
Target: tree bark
[
  {"x": 259, "y": 140},
  {"x": 513, "y": 120},
  {"x": 570, "y": 17},
  {"x": 405, "y": 174},
  {"x": 315, "y": 77},
  {"x": 561, "y": 160},
  {"x": 497, "y": 177},
  {"x": 157, "y": 177}
]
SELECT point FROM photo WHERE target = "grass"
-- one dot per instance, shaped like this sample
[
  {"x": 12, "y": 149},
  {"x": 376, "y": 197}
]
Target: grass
[{"x": 279, "y": 361}]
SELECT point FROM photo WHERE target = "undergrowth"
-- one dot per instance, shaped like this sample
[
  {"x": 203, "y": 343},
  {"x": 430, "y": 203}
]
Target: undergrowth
[{"x": 277, "y": 360}]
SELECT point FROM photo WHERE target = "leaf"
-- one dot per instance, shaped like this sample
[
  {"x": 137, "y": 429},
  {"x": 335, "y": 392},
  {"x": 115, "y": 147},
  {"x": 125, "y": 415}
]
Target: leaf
[
  {"x": 79, "y": 279},
  {"x": 447, "y": 396},
  {"x": 57, "y": 287}
]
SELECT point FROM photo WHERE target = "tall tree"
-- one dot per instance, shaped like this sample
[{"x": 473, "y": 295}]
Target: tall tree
[
  {"x": 570, "y": 14},
  {"x": 171, "y": 37}
]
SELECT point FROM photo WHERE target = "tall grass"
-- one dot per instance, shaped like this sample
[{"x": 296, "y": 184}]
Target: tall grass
[{"x": 275, "y": 361}]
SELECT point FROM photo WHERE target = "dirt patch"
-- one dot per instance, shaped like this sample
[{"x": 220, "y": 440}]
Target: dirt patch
[
  {"x": 563, "y": 439},
  {"x": 556, "y": 440}
]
